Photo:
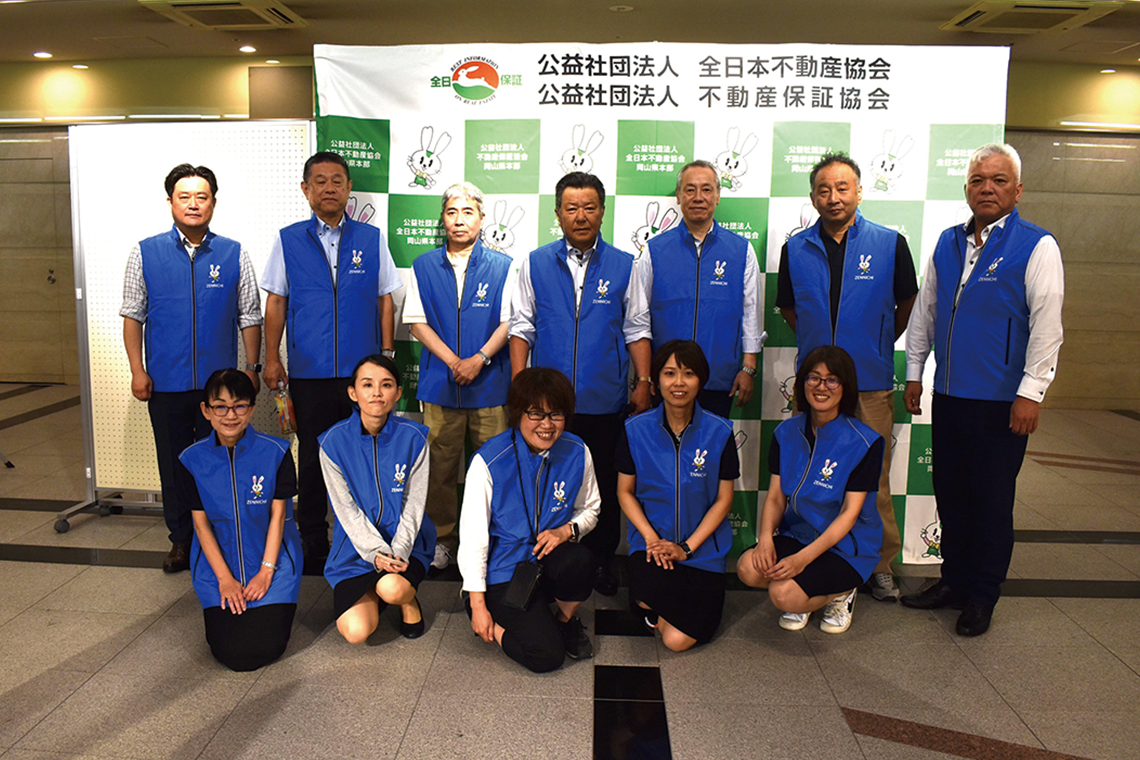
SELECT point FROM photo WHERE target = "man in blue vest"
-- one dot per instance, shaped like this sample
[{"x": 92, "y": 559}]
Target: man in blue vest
[
  {"x": 458, "y": 306},
  {"x": 330, "y": 280},
  {"x": 579, "y": 308},
  {"x": 703, "y": 283},
  {"x": 848, "y": 282},
  {"x": 990, "y": 307},
  {"x": 186, "y": 294}
]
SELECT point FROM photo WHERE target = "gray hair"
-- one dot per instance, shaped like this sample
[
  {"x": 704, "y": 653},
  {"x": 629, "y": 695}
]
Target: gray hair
[
  {"x": 995, "y": 149},
  {"x": 462, "y": 190},
  {"x": 697, "y": 164}
]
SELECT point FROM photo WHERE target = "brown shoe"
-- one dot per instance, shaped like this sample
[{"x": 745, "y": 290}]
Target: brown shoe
[{"x": 178, "y": 559}]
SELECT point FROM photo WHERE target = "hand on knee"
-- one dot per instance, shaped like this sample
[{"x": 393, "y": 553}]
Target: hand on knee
[{"x": 747, "y": 572}]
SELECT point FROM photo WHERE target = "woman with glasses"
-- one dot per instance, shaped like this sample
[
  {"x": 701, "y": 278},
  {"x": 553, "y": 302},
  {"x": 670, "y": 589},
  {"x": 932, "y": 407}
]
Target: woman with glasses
[
  {"x": 676, "y": 468},
  {"x": 529, "y": 497},
  {"x": 245, "y": 559},
  {"x": 820, "y": 532}
]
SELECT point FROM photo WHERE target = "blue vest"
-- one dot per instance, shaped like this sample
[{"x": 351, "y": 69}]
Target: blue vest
[
  {"x": 701, "y": 299},
  {"x": 676, "y": 487},
  {"x": 331, "y": 327},
  {"x": 979, "y": 346},
  {"x": 865, "y": 325},
  {"x": 531, "y": 493},
  {"x": 375, "y": 467},
  {"x": 464, "y": 328},
  {"x": 237, "y": 494},
  {"x": 590, "y": 348},
  {"x": 815, "y": 484},
  {"x": 192, "y": 309}
]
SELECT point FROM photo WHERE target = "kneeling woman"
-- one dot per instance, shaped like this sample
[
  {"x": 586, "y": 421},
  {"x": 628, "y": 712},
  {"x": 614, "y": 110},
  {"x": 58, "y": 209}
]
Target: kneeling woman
[
  {"x": 676, "y": 467},
  {"x": 246, "y": 555},
  {"x": 529, "y": 496},
  {"x": 376, "y": 468},
  {"x": 825, "y": 474}
]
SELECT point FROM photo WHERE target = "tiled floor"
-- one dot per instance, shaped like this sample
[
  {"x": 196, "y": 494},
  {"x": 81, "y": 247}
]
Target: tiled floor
[{"x": 103, "y": 659}]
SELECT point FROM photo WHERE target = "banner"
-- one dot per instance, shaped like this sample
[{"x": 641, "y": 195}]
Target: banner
[{"x": 514, "y": 118}]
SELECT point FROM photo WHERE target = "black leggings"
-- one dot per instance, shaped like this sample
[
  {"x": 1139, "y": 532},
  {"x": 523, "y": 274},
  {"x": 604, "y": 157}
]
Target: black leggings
[{"x": 252, "y": 639}]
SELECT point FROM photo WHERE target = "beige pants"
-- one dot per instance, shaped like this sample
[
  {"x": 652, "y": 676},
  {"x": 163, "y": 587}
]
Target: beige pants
[
  {"x": 449, "y": 428},
  {"x": 877, "y": 410}
]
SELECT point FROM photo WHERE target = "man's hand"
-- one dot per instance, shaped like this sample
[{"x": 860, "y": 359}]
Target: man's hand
[
  {"x": 1023, "y": 416},
  {"x": 641, "y": 397},
  {"x": 742, "y": 388},
  {"x": 466, "y": 370},
  {"x": 141, "y": 385},
  {"x": 274, "y": 373},
  {"x": 912, "y": 397}
]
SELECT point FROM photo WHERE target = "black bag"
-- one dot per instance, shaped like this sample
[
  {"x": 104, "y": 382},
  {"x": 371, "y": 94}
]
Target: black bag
[{"x": 523, "y": 586}]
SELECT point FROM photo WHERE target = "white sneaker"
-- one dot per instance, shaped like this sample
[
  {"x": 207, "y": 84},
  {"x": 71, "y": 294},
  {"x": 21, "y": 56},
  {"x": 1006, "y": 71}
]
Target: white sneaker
[
  {"x": 442, "y": 557},
  {"x": 794, "y": 621},
  {"x": 837, "y": 613},
  {"x": 883, "y": 587}
]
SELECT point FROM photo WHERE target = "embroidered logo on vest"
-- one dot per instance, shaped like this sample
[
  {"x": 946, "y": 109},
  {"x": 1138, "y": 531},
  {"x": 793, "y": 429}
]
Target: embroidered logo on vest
[
  {"x": 481, "y": 293},
  {"x": 989, "y": 275},
  {"x": 603, "y": 291},
  {"x": 215, "y": 276},
  {"x": 718, "y": 274},
  {"x": 258, "y": 486},
  {"x": 865, "y": 268},
  {"x": 559, "y": 496},
  {"x": 698, "y": 470},
  {"x": 401, "y": 470}
]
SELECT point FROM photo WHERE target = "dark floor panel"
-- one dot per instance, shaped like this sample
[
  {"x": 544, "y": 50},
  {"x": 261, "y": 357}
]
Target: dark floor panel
[
  {"x": 1129, "y": 413},
  {"x": 35, "y": 414},
  {"x": 75, "y": 555},
  {"x": 20, "y": 391},
  {"x": 35, "y": 505},
  {"x": 628, "y": 683},
  {"x": 618, "y": 623},
  {"x": 1076, "y": 537},
  {"x": 631, "y": 731},
  {"x": 1077, "y": 589}
]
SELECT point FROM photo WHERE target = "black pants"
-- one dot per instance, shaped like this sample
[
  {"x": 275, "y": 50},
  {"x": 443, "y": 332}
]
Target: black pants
[
  {"x": 976, "y": 459},
  {"x": 319, "y": 404},
  {"x": 252, "y": 639},
  {"x": 600, "y": 433},
  {"x": 533, "y": 638},
  {"x": 717, "y": 402},
  {"x": 177, "y": 421}
]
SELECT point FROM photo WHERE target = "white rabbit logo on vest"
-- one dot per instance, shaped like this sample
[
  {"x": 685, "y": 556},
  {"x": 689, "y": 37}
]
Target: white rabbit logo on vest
[
  {"x": 603, "y": 288},
  {"x": 559, "y": 496},
  {"x": 357, "y": 258},
  {"x": 215, "y": 272},
  {"x": 718, "y": 274},
  {"x": 864, "y": 267},
  {"x": 401, "y": 470},
  {"x": 989, "y": 275},
  {"x": 699, "y": 458},
  {"x": 258, "y": 486},
  {"x": 827, "y": 469},
  {"x": 481, "y": 293}
]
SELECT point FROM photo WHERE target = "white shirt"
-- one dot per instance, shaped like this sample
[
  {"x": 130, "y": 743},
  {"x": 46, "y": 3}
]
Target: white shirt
[
  {"x": 413, "y": 301},
  {"x": 475, "y": 518},
  {"x": 275, "y": 279},
  {"x": 635, "y": 326},
  {"x": 1044, "y": 293}
]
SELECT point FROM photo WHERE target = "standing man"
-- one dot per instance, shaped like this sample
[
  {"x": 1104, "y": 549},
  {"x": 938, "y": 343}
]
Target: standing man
[
  {"x": 188, "y": 292},
  {"x": 580, "y": 309},
  {"x": 459, "y": 306},
  {"x": 703, "y": 283},
  {"x": 990, "y": 307},
  {"x": 329, "y": 279},
  {"x": 848, "y": 282}
]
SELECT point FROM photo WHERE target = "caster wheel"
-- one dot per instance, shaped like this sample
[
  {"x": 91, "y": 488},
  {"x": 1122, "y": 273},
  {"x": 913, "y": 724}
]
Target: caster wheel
[{"x": 62, "y": 526}]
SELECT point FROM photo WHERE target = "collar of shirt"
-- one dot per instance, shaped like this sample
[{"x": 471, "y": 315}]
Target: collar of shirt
[
  {"x": 190, "y": 248},
  {"x": 969, "y": 227},
  {"x": 580, "y": 257}
]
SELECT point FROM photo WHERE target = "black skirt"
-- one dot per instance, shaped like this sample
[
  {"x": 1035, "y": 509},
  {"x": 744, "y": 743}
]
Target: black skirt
[
  {"x": 348, "y": 592},
  {"x": 689, "y": 599}
]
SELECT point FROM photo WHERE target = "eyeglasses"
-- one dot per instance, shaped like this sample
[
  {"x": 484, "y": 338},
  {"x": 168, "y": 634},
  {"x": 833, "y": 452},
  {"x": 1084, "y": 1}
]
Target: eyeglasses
[
  {"x": 221, "y": 410},
  {"x": 831, "y": 383},
  {"x": 537, "y": 415}
]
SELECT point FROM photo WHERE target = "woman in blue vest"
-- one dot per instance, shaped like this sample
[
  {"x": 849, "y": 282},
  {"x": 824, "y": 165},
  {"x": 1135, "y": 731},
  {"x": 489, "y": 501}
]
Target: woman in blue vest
[
  {"x": 529, "y": 496},
  {"x": 676, "y": 466},
  {"x": 376, "y": 468},
  {"x": 820, "y": 532},
  {"x": 246, "y": 555}
]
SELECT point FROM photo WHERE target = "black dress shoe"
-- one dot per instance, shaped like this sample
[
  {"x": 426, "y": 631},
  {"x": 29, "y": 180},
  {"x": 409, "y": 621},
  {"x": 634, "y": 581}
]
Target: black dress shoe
[
  {"x": 178, "y": 559},
  {"x": 605, "y": 583},
  {"x": 413, "y": 630},
  {"x": 935, "y": 598},
  {"x": 974, "y": 620}
]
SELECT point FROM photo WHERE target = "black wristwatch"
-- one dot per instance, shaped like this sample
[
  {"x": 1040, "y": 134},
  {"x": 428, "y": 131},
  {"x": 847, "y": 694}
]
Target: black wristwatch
[
  {"x": 575, "y": 533},
  {"x": 252, "y": 367},
  {"x": 685, "y": 547}
]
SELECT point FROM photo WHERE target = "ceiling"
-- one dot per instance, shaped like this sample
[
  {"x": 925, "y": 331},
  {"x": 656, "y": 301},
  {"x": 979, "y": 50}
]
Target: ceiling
[{"x": 98, "y": 30}]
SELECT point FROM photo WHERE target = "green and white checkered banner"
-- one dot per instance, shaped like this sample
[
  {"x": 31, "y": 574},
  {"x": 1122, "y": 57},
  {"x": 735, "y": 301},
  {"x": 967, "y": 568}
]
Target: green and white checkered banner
[{"x": 514, "y": 118}]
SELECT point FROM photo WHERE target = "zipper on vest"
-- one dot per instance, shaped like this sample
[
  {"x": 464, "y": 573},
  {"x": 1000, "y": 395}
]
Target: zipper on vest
[
  {"x": 336, "y": 304},
  {"x": 537, "y": 495},
  {"x": 697, "y": 298},
  {"x": 577, "y": 313},
  {"x": 458, "y": 324},
  {"x": 194, "y": 329},
  {"x": 677, "y": 486},
  {"x": 237, "y": 517},
  {"x": 379, "y": 490},
  {"x": 803, "y": 479}
]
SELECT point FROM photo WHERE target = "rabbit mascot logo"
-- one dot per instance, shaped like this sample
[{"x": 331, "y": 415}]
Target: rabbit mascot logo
[
  {"x": 425, "y": 163},
  {"x": 258, "y": 486},
  {"x": 730, "y": 165},
  {"x": 499, "y": 234},
  {"x": 579, "y": 156},
  {"x": 475, "y": 80},
  {"x": 653, "y": 226}
]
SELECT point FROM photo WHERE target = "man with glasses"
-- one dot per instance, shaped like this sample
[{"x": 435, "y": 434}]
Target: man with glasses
[
  {"x": 579, "y": 308},
  {"x": 186, "y": 295}
]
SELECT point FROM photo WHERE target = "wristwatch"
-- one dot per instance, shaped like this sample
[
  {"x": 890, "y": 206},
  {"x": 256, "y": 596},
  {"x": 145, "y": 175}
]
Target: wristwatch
[
  {"x": 750, "y": 371},
  {"x": 575, "y": 533},
  {"x": 685, "y": 548},
  {"x": 252, "y": 367},
  {"x": 486, "y": 359},
  {"x": 389, "y": 352}
]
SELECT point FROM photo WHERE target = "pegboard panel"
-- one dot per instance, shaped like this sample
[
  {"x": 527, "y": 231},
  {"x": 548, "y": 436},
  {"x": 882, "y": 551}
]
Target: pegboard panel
[{"x": 117, "y": 174}]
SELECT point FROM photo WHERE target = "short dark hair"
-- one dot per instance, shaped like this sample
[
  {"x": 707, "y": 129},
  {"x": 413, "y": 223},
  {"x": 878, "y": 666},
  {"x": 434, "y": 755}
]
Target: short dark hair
[
  {"x": 688, "y": 354},
  {"x": 840, "y": 364},
  {"x": 182, "y": 171},
  {"x": 827, "y": 159},
  {"x": 325, "y": 157},
  {"x": 579, "y": 181},
  {"x": 233, "y": 380},
  {"x": 699, "y": 163},
  {"x": 380, "y": 361},
  {"x": 534, "y": 385}
]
